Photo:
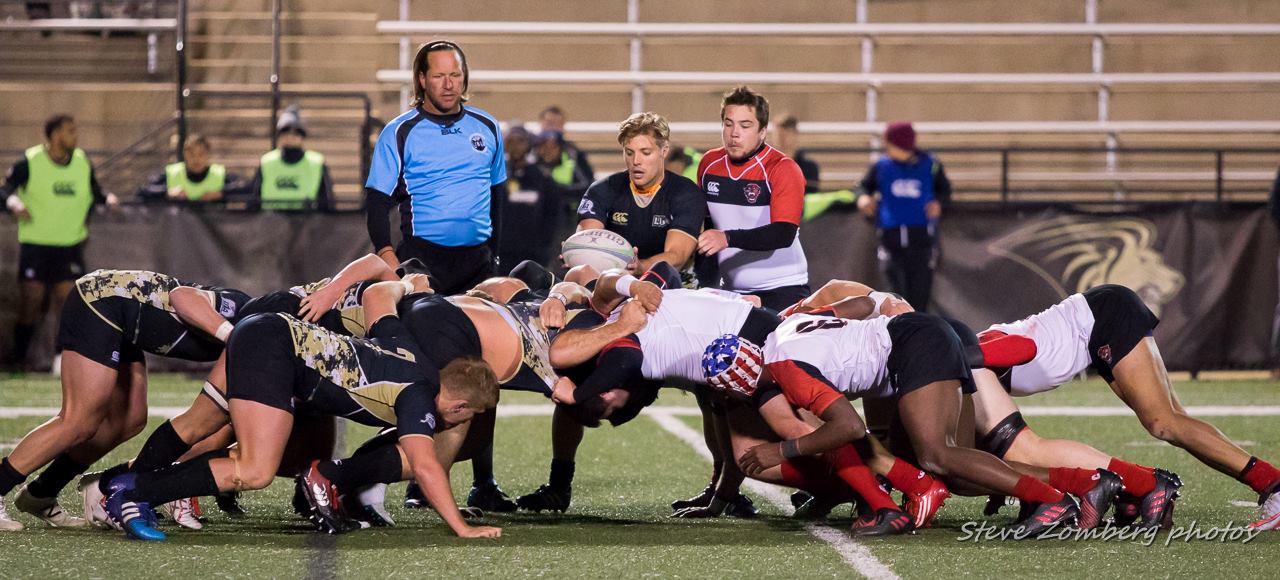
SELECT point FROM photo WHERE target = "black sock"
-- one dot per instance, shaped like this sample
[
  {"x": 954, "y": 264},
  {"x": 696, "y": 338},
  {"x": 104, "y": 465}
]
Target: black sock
[
  {"x": 22, "y": 334},
  {"x": 9, "y": 477},
  {"x": 381, "y": 465},
  {"x": 561, "y": 473},
  {"x": 56, "y": 476},
  {"x": 482, "y": 468},
  {"x": 717, "y": 467},
  {"x": 162, "y": 448},
  {"x": 105, "y": 479},
  {"x": 375, "y": 443},
  {"x": 187, "y": 479}
]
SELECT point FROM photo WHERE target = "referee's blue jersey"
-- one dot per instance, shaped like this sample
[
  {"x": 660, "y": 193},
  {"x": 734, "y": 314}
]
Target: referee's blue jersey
[{"x": 440, "y": 169}]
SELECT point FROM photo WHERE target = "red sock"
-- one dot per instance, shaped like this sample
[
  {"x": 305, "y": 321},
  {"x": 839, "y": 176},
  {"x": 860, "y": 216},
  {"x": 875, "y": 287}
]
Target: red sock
[
  {"x": 1006, "y": 350},
  {"x": 849, "y": 467},
  {"x": 1073, "y": 479},
  {"x": 1036, "y": 491},
  {"x": 1138, "y": 480},
  {"x": 908, "y": 478},
  {"x": 813, "y": 477},
  {"x": 1259, "y": 475}
]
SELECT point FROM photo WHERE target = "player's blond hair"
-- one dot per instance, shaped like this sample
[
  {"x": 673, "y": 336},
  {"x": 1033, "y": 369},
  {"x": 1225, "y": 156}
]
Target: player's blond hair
[
  {"x": 470, "y": 379},
  {"x": 646, "y": 123}
]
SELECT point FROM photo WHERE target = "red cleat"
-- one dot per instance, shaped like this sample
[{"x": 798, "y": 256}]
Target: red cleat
[{"x": 924, "y": 506}]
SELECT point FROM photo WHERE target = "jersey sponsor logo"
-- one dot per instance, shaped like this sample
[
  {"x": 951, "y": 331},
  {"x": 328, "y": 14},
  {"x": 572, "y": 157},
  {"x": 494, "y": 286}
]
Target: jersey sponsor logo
[
  {"x": 713, "y": 188},
  {"x": 451, "y": 130},
  {"x": 287, "y": 182},
  {"x": 661, "y": 221},
  {"x": 226, "y": 308},
  {"x": 752, "y": 192},
  {"x": 909, "y": 188},
  {"x": 64, "y": 188},
  {"x": 1073, "y": 254},
  {"x": 587, "y": 207},
  {"x": 477, "y": 142},
  {"x": 619, "y": 217},
  {"x": 430, "y": 420},
  {"x": 115, "y": 356}
]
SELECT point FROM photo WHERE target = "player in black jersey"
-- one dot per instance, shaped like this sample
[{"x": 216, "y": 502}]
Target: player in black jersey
[
  {"x": 659, "y": 212},
  {"x": 333, "y": 303},
  {"x": 276, "y": 362},
  {"x": 108, "y": 321}
]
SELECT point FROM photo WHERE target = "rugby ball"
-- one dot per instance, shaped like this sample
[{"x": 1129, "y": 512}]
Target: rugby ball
[{"x": 600, "y": 249}]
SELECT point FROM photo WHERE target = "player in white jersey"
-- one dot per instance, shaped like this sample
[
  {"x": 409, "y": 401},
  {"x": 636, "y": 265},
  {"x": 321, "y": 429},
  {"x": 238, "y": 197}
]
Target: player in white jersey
[
  {"x": 1108, "y": 328},
  {"x": 629, "y": 367},
  {"x": 926, "y": 369}
]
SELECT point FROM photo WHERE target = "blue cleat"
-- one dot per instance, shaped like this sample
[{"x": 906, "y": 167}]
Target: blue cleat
[{"x": 134, "y": 517}]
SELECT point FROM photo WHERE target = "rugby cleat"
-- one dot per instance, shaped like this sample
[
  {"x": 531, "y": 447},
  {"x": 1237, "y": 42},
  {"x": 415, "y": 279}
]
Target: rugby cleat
[
  {"x": 1047, "y": 516},
  {"x": 1268, "y": 510},
  {"x": 131, "y": 516},
  {"x": 703, "y": 499},
  {"x": 1156, "y": 509},
  {"x": 1095, "y": 503},
  {"x": 229, "y": 503},
  {"x": 184, "y": 512},
  {"x": 490, "y": 498},
  {"x": 924, "y": 506},
  {"x": 7, "y": 523},
  {"x": 547, "y": 498},
  {"x": 323, "y": 500},
  {"x": 885, "y": 522},
  {"x": 1127, "y": 508},
  {"x": 413, "y": 496},
  {"x": 95, "y": 503},
  {"x": 814, "y": 507},
  {"x": 47, "y": 510},
  {"x": 741, "y": 507}
]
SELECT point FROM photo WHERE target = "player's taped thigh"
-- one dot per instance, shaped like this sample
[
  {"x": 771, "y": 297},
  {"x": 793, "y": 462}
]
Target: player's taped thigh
[{"x": 998, "y": 441}]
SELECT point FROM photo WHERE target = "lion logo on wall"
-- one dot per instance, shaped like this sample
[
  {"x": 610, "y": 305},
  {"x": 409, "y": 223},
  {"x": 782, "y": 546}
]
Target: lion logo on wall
[{"x": 1073, "y": 254}]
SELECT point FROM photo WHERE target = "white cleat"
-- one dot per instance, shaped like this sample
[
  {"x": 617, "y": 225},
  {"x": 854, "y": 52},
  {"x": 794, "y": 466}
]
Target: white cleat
[
  {"x": 1269, "y": 513},
  {"x": 47, "y": 510},
  {"x": 184, "y": 512},
  {"x": 7, "y": 524},
  {"x": 95, "y": 504}
]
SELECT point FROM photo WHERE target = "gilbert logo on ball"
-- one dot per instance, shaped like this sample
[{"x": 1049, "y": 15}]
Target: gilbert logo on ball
[{"x": 600, "y": 249}]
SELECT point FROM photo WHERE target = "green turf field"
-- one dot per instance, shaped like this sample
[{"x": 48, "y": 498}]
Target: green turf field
[{"x": 618, "y": 525}]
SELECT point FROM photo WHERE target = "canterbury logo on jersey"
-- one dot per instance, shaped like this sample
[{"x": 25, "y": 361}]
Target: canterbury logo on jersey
[
  {"x": 287, "y": 182},
  {"x": 64, "y": 188},
  {"x": 713, "y": 187},
  {"x": 619, "y": 217},
  {"x": 909, "y": 188}
]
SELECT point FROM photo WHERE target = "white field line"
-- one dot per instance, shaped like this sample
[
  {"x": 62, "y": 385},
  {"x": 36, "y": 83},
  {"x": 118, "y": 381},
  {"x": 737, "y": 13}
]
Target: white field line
[
  {"x": 544, "y": 409},
  {"x": 855, "y": 554}
]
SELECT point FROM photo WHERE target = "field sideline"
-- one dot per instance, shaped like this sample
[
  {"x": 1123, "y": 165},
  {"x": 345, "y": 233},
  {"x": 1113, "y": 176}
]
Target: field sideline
[{"x": 618, "y": 525}]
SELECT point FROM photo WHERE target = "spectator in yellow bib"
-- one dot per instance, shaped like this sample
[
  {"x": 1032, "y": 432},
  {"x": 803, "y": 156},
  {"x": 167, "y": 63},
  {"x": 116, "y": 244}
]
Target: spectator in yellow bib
[
  {"x": 290, "y": 177},
  {"x": 195, "y": 179},
  {"x": 50, "y": 190}
]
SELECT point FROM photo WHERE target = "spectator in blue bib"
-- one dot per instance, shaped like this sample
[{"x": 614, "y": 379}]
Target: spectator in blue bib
[
  {"x": 905, "y": 192},
  {"x": 442, "y": 163}
]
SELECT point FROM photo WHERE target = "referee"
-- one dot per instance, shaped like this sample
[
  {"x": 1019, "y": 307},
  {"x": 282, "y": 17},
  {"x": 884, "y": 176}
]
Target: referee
[
  {"x": 442, "y": 162},
  {"x": 50, "y": 190}
]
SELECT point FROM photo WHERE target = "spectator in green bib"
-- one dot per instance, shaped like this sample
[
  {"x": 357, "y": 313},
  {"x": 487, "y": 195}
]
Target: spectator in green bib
[
  {"x": 684, "y": 161},
  {"x": 290, "y": 177},
  {"x": 50, "y": 190},
  {"x": 194, "y": 179}
]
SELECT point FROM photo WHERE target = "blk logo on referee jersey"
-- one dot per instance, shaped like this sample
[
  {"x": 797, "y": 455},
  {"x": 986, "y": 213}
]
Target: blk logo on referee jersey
[
  {"x": 477, "y": 142},
  {"x": 451, "y": 130}
]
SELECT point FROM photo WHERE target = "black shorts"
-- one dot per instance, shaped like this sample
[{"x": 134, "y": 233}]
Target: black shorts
[
  {"x": 261, "y": 363},
  {"x": 1120, "y": 321},
  {"x": 84, "y": 332},
  {"x": 50, "y": 264},
  {"x": 778, "y": 299},
  {"x": 925, "y": 350},
  {"x": 441, "y": 329},
  {"x": 285, "y": 302},
  {"x": 455, "y": 269}
]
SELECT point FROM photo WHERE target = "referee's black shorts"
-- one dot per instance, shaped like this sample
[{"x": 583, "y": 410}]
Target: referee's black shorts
[
  {"x": 454, "y": 269},
  {"x": 50, "y": 264}
]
